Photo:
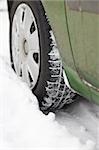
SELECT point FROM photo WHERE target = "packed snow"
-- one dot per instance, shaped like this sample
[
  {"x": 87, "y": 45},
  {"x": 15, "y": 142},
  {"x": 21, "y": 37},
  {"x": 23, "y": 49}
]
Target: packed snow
[{"x": 24, "y": 126}]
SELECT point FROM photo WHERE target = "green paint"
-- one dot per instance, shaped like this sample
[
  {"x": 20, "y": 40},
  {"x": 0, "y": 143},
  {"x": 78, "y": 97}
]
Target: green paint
[
  {"x": 91, "y": 46},
  {"x": 84, "y": 36}
]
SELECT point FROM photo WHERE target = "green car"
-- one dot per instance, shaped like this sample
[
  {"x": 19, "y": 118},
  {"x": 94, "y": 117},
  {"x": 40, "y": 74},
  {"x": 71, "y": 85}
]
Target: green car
[{"x": 54, "y": 48}]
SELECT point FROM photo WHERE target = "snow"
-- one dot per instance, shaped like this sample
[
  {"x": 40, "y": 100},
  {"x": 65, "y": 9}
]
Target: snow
[
  {"x": 24, "y": 126},
  {"x": 3, "y": 5}
]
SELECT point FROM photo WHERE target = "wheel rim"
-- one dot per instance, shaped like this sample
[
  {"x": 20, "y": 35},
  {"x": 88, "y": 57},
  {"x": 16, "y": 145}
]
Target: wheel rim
[{"x": 25, "y": 45}]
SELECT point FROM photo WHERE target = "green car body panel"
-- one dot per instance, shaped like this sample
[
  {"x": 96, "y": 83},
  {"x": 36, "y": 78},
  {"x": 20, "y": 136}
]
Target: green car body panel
[{"x": 76, "y": 27}]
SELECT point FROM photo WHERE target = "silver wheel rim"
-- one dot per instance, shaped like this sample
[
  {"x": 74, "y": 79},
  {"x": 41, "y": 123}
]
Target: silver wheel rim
[{"x": 25, "y": 45}]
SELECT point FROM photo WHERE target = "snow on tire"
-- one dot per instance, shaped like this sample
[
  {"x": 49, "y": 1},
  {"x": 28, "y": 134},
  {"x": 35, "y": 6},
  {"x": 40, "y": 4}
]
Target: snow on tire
[
  {"x": 57, "y": 92},
  {"x": 50, "y": 87}
]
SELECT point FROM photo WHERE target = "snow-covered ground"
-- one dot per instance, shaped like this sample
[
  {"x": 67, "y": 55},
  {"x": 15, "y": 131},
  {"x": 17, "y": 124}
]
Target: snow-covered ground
[{"x": 24, "y": 126}]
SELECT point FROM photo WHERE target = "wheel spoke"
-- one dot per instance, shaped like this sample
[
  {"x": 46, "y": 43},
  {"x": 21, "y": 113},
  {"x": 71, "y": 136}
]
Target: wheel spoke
[
  {"x": 17, "y": 23},
  {"x": 18, "y": 19},
  {"x": 32, "y": 66},
  {"x": 33, "y": 42},
  {"x": 17, "y": 64},
  {"x": 25, "y": 75},
  {"x": 28, "y": 19}
]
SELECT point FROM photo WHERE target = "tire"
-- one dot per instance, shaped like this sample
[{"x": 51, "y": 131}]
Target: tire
[{"x": 50, "y": 87}]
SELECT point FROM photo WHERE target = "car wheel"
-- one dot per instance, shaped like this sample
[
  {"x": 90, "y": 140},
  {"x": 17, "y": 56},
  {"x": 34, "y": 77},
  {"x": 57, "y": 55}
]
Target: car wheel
[{"x": 35, "y": 56}]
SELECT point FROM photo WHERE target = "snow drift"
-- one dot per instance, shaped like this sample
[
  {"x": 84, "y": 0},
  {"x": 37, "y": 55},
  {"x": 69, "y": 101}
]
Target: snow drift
[{"x": 23, "y": 125}]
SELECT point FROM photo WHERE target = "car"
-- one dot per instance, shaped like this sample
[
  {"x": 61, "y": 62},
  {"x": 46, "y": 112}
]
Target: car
[{"x": 54, "y": 49}]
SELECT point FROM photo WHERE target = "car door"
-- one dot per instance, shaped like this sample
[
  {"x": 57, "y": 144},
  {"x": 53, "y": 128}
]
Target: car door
[
  {"x": 90, "y": 26},
  {"x": 83, "y": 23},
  {"x": 74, "y": 20}
]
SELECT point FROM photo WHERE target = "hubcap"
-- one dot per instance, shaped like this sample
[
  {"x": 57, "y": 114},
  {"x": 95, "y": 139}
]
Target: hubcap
[{"x": 25, "y": 45}]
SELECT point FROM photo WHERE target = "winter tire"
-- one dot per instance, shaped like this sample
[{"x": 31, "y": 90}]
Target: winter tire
[{"x": 35, "y": 56}]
